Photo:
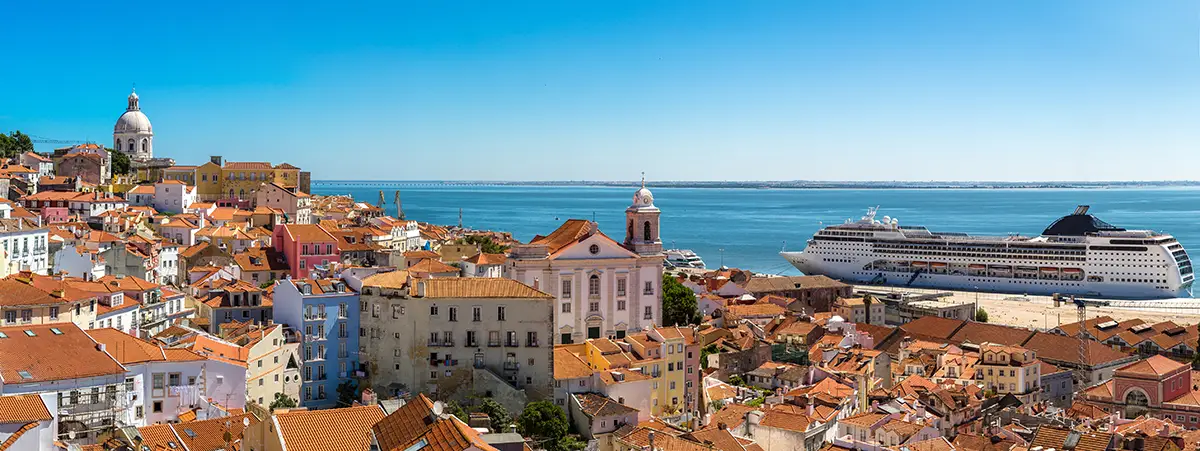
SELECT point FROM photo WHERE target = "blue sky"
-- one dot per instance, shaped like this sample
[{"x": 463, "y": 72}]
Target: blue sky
[{"x": 688, "y": 90}]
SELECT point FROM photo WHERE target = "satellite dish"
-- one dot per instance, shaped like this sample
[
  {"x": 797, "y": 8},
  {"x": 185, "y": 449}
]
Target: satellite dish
[
  {"x": 246, "y": 421},
  {"x": 438, "y": 408}
]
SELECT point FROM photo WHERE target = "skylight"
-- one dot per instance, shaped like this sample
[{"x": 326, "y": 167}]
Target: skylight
[
  {"x": 30, "y": 333},
  {"x": 25, "y": 374},
  {"x": 189, "y": 433},
  {"x": 3, "y": 335},
  {"x": 55, "y": 331}
]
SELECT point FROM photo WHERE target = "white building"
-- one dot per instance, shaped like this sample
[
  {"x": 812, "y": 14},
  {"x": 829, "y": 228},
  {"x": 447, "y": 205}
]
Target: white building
[
  {"x": 24, "y": 245},
  {"x": 173, "y": 196},
  {"x": 92, "y": 204},
  {"x": 79, "y": 261},
  {"x": 44, "y": 166},
  {"x": 168, "y": 264},
  {"x": 484, "y": 265},
  {"x": 169, "y": 381},
  {"x": 133, "y": 135},
  {"x": 603, "y": 288},
  {"x": 141, "y": 195}
]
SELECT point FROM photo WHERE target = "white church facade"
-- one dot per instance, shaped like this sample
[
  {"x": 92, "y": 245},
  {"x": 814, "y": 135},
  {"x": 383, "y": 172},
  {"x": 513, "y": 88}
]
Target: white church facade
[{"x": 604, "y": 288}]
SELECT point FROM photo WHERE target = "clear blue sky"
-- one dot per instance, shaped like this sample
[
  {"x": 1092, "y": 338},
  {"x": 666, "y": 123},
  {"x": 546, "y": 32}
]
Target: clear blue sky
[{"x": 687, "y": 90}]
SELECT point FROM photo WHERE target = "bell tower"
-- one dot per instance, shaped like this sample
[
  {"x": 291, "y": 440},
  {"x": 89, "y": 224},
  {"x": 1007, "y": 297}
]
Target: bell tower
[{"x": 641, "y": 223}]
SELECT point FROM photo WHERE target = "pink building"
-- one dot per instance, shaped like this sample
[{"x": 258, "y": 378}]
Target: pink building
[{"x": 305, "y": 247}]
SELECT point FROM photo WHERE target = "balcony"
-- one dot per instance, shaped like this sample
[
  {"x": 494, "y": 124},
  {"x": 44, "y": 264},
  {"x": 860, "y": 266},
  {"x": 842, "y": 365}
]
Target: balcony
[
  {"x": 472, "y": 344},
  {"x": 434, "y": 343},
  {"x": 514, "y": 343},
  {"x": 531, "y": 343},
  {"x": 512, "y": 366},
  {"x": 493, "y": 343}
]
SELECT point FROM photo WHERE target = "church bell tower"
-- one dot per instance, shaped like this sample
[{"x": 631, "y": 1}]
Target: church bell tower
[{"x": 641, "y": 223}]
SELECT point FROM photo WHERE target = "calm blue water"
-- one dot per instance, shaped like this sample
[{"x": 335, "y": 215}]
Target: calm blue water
[{"x": 751, "y": 225}]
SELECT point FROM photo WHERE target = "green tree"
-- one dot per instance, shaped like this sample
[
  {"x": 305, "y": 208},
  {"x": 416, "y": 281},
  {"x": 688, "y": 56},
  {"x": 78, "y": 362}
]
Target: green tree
[
  {"x": 456, "y": 409},
  {"x": 497, "y": 413},
  {"x": 544, "y": 421},
  {"x": 14, "y": 143},
  {"x": 567, "y": 443},
  {"x": 347, "y": 393},
  {"x": 707, "y": 351},
  {"x": 737, "y": 381},
  {"x": 120, "y": 162},
  {"x": 282, "y": 401},
  {"x": 981, "y": 315},
  {"x": 485, "y": 243},
  {"x": 756, "y": 402},
  {"x": 679, "y": 303}
]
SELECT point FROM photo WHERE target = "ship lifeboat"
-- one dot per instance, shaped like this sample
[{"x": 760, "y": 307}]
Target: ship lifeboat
[
  {"x": 1047, "y": 269},
  {"x": 1072, "y": 270},
  {"x": 920, "y": 264},
  {"x": 938, "y": 265},
  {"x": 977, "y": 266}
]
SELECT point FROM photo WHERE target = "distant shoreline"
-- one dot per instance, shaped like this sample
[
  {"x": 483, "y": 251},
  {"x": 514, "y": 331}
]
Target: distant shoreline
[{"x": 798, "y": 184}]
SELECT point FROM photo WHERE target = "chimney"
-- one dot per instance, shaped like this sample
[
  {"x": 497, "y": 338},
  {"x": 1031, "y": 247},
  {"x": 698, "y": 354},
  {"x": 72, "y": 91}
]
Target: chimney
[
  {"x": 537, "y": 283},
  {"x": 100, "y": 347},
  {"x": 810, "y": 408},
  {"x": 651, "y": 440}
]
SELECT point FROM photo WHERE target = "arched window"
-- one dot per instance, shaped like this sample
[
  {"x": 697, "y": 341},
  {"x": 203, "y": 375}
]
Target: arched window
[
  {"x": 629, "y": 233},
  {"x": 118, "y": 144},
  {"x": 231, "y": 193},
  {"x": 646, "y": 231},
  {"x": 144, "y": 144},
  {"x": 131, "y": 146},
  {"x": 241, "y": 194},
  {"x": 594, "y": 285},
  {"x": 1135, "y": 403}
]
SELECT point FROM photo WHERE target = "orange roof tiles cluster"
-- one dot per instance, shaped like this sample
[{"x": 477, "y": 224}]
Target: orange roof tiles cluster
[
  {"x": 481, "y": 287},
  {"x": 51, "y": 352},
  {"x": 344, "y": 429},
  {"x": 23, "y": 409}
]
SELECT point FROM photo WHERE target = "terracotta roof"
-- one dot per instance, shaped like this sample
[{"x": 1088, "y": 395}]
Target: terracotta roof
[
  {"x": 759, "y": 309},
  {"x": 390, "y": 279},
  {"x": 405, "y": 424},
  {"x": 142, "y": 189},
  {"x": 721, "y": 439},
  {"x": 640, "y": 438},
  {"x": 159, "y": 437},
  {"x": 1155, "y": 365},
  {"x": 784, "y": 420},
  {"x": 571, "y": 232},
  {"x": 48, "y": 356},
  {"x": 1057, "y": 438},
  {"x": 479, "y": 288},
  {"x": 431, "y": 266},
  {"x": 307, "y": 233},
  {"x": 979, "y": 333},
  {"x": 256, "y": 165},
  {"x": 344, "y": 429},
  {"x": 209, "y": 435},
  {"x": 23, "y": 409},
  {"x": 130, "y": 350},
  {"x": 903, "y": 428},
  {"x": 487, "y": 259},
  {"x": 1066, "y": 349},
  {"x": 731, "y": 415},
  {"x": 594, "y": 405},
  {"x": 865, "y": 420},
  {"x": 194, "y": 250},
  {"x": 567, "y": 365},
  {"x": 933, "y": 327},
  {"x": 449, "y": 434},
  {"x": 770, "y": 284},
  {"x": 933, "y": 444},
  {"x": 260, "y": 259},
  {"x": 14, "y": 293}
]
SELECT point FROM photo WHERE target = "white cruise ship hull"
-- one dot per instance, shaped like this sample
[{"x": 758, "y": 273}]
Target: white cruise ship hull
[
  {"x": 1076, "y": 255},
  {"x": 852, "y": 273}
]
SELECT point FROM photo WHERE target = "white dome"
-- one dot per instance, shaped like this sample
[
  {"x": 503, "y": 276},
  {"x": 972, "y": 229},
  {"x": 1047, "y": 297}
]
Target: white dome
[
  {"x": 643, "y": 198},
  {"x": 133, "y": 121}
]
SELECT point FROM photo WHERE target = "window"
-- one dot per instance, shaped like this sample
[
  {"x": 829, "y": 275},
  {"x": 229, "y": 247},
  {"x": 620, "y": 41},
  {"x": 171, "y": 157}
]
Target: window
[
  {"x": 159, "y": 381},
  {"x": 646, "y": 232},
  {"x": 476, "y": 314},
  {"x": 511, "y": 339},
  {"x": 594, "y": 285},
  {"x": 397, "y": 310},
  {"x": 10, "y": 316},
  {"x": 649, "y": 314},
  {"x": 620, "y": 287},
  {"x": 531, "y": 339},
  {"x": 500, "y": 313},
  {"x": 471, "y": 338},
  {"x": 53, "y": 312},
  {"x": 566, "y": 307},
  {"x": 593, "y": 306},
  {"x": 621, "y": 305},
  {"x": 649, "y": 289},
  {"x": 342, "y": 311},
  {"x": 433, "y": 310},
  {"x": 157, "y": 407},
  {"x": 453, "y": 314},
  {"x": 566, "y": 289}
]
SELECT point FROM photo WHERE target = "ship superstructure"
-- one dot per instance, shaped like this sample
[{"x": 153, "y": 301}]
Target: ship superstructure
[{"x": 1077, "y": 255}]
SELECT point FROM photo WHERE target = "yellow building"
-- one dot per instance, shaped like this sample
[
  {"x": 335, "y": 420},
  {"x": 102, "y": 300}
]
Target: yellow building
[
  {"x": 217, "y": 180},
  {"x": 1008, "y": 369},
  {"x": 659, "y": 353}
]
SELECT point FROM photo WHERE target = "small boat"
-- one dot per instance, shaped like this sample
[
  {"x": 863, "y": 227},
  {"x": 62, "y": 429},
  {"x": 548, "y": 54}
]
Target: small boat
[{"x": 682, "y": 258}]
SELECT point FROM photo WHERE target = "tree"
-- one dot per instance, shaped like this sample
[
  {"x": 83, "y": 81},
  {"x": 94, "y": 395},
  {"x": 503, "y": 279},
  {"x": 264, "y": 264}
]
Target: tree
[
  {"x": 679, "y": 303},
  {"x": 736, "y": 380},
  {"x": 1196, "y": 356},
  {"x": 14, "y": 143},
  {"x": 282, "y": 401},
  {"x": 454, "y": 408},
  {"x": 497, "y": 413},
  {"x": 347, "y": 393},
  {"x": 485, "y": 243},
  {"x": 120, "y": 162},
  {"x": 981, "y": 315},
  {"x": 545, "y": 422}
]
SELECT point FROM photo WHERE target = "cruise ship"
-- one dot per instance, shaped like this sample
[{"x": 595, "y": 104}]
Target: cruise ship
[{"x": 1076, "y": 255}]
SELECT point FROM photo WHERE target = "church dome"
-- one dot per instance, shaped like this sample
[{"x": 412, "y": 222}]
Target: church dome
[
  {"x": 643, "y": 198},
  {"x": 133, "y": 121}
]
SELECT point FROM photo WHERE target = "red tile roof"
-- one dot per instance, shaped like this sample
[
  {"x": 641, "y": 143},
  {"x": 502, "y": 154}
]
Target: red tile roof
[
  {"x": 344, "y": 429},
  {"x": 47, "y": 356}
]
